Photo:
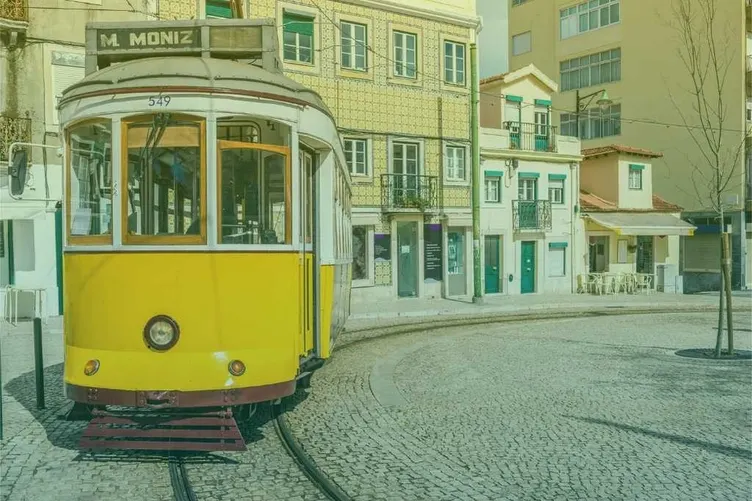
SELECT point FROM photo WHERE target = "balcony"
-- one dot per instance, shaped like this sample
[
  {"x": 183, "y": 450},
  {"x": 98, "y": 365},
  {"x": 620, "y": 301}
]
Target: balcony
[
  {"x": 410, "y": 192},
  {"x": 531, "y": 137},
  {"x": 13, "y": 130},
  {"x": 531, "y": 215},
  {"x": 14, "y": 18}
]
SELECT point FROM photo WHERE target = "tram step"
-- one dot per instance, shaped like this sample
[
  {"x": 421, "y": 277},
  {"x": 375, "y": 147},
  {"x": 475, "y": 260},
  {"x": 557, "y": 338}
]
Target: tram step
[{"x": 163, "y": 431}]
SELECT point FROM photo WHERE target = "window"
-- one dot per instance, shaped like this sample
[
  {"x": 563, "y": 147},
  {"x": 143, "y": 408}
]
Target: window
[
  {"x": 354, "y": 43},
  {"x": 218, "y": 9},
  {"x": 635, "y": 177},
  {"x": 594, "y": 69},
  {"x": 405, "y": 168},
  {"x": 522, "y": 43},
  {"x": 556, "y": 191},
  {"x": 515, "y": 3},
  {"x": 360, "y": 253},
  {"x": 594, "y": 123},
  {"x": 164, "y": 164},
  {"x": 90, "y": 182},
  {"x": 298, "y": 38},
  {"x": 67, "y": 68},
  {"x": 588, "y": 16},
  {"x": 356, "y": 156},
  {"x": 455, "y": 253},
  {"x": 405, "y": 54},
  {"x": 528, "y": 189},
  {"x": 493, "y": 189},
  {"x": 454, "y": 63},
  {"x": 454, "y": 163},
  {"x": 557, "y": 259}
]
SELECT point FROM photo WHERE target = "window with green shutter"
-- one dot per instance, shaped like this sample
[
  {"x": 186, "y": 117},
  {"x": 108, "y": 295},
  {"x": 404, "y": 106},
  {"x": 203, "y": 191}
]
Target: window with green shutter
[
  {"x": 218, "y": 9},
  {"x": 298, "y": 37}
]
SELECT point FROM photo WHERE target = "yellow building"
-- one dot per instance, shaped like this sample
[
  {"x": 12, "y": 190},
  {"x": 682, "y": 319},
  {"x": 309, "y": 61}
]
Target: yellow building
[{"x": 630, "y": 49}]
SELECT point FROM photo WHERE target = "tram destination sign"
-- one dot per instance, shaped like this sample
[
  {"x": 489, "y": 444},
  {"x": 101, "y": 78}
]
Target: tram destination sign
[{"x": 129, "y": 39}]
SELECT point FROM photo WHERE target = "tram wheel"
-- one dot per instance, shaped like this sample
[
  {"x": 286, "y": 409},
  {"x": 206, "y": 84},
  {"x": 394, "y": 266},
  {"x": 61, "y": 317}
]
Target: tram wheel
[{"x": 305, "y": 382}]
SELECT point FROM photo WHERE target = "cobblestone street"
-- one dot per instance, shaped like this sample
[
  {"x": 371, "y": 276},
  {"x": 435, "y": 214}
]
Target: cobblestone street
[{"x": 579, "y": 409}]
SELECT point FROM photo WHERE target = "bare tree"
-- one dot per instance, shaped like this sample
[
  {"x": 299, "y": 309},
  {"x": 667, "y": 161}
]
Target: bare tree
[{"x": 709, "y": 57}]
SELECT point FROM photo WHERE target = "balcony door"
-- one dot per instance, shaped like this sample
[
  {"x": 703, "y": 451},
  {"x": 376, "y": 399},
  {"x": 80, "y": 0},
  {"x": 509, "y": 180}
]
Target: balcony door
[
  {"x": 406, "y": 171},
  {"x": 527, "y": 205},
  {"x": 542, "y": 129}
]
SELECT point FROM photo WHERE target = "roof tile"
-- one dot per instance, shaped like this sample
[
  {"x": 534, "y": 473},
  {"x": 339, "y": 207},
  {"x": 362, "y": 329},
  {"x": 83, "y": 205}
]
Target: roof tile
[{"x": 619, "y": 148}]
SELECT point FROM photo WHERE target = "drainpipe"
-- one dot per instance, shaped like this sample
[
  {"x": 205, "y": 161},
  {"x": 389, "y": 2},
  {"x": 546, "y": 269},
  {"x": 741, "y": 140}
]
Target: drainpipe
[{"x": 573, "y": 218}]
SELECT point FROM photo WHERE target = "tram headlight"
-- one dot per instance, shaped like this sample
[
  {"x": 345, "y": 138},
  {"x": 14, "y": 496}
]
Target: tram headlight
[
  {"x": 236, "y": 368},
  {"x": 161, "y": 333}
]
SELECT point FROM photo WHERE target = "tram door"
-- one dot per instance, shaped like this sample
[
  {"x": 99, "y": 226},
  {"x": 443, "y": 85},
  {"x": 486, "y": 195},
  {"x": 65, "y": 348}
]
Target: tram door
[{"x": 307, "y": 201}]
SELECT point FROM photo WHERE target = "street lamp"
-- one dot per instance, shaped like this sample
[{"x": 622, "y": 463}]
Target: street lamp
[{"x": 603, "y": 102}]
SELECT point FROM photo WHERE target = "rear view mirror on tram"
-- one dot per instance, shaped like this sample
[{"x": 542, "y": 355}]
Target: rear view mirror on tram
[{"x": 17, "y": 171}]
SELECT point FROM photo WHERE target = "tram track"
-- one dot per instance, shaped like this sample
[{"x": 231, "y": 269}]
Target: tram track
[{"x": 181, "y": 484}]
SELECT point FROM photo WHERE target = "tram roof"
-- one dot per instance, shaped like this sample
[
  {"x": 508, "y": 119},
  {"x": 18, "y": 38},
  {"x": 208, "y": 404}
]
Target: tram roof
[{"x": 193, "y": 74}]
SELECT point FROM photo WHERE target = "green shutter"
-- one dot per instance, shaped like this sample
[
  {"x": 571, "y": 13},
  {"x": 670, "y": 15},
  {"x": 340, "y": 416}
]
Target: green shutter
[
  {"x": 557, "y": 245},
  {"x": 557, "y": 177},
  {"x": 528, "y": 175},
  {"x": 636, "y": 167},
  {"x": 294, "y": 23},
  {"x": 494, "y": 173},
  {"x": 516, "y": 99},
  {"x": 542, "y": 102},
  {"x": 219, "y": 8}
]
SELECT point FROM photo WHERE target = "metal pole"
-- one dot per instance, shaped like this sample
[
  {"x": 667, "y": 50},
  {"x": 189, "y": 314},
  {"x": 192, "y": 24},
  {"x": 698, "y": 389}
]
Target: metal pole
[
  {"x": 1, "y": 394},
  {"x": 39, "y": 362},
  {"x": 577, "y": 113},
  {"x": 474, "y": 137}
]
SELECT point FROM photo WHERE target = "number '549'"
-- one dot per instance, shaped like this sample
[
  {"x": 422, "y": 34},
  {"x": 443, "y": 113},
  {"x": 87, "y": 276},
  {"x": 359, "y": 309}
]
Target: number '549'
[{"x": 159, "y": 101}]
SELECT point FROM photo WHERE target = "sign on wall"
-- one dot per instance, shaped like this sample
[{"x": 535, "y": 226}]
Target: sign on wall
[
  {"x": 382, "y": 247},
  {"x": 432, "y": 247}
]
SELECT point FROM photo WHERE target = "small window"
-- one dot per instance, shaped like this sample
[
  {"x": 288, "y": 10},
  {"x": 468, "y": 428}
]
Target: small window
[
  {"x": 90, "y": 182},
  {"x": 356, "y": 155},
  {"x": 454, "y": 162},
  {"x": 557, "y": 260},
  {"x": 163, "y": 201},
  {"x": 528, "y": 189},
  {"x": 556, "y": 191},
  {"x": 454, "y": 63},
  {"x": 298, "y": 38},
  {"x": 522, "y": 43},
  {"x": 354, "y": 45},
  {"x": 405, "y": 54},
  {"x": 635, "y": 178},
  {"x": 218, "y": 9},
  {"x": 493, "y": 190}
]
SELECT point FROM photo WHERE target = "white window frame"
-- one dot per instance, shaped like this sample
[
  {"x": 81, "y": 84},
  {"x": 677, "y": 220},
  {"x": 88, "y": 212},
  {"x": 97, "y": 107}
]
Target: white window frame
[
  {"x": 552, "y": 272},
  {"x": 610, "y": 120},
  {"x": 367, "y": 161},
  {"x": 349, "y": 41},
  {"x": 522, "y": 189},
  {"x": 400, "y": 53},
  {"x": 370, "y": 264},
  {"x": 586, "y": 65},
  {"x": 458, "y": 78},
  {"x": 448, "y": 161},
  {"x": 489, "y": 180},
  {"x": 299, "y": 10},
  {"x": 577, "y": 16},
  {"x": 58, "y": 55},
  {"x": 516, "y": 51},
  {"x": 556, "y": 186},
  {"x": 637, "y": 186}
]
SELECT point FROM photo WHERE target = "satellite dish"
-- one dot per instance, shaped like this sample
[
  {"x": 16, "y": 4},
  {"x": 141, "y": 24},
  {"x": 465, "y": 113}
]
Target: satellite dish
[{"x": 18, "y": 172}]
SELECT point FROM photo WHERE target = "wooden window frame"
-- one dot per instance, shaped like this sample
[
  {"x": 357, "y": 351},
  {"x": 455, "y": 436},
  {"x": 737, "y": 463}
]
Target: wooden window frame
[
  {"x": 284, "y": 150},
  {"x": 127, "y": 238}
]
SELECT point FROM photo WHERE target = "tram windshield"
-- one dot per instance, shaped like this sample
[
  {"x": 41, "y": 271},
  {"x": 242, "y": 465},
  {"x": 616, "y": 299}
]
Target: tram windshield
[{"x": 164, "y": 177}]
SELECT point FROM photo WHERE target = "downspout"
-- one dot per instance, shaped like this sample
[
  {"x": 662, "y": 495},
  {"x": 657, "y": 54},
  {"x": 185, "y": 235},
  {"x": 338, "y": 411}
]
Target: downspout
[{"x": 574, "y": 214}]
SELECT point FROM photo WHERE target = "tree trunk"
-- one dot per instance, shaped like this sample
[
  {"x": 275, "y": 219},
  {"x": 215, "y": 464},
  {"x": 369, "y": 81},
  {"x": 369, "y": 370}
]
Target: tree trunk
[
  {"x": 719, "y": 337},
  {"x": 727, "y": 283}
]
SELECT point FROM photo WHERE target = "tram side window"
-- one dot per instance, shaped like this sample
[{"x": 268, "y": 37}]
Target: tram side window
[
  {"x": 90, "y": 176},
  {"x": 164, "y": 178},
  {"x": 254, "y": 198}
]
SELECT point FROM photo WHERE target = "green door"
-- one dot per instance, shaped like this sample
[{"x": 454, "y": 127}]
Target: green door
[
  {"x": 492, "y": 264},
  {"x": 407, "y": 259},
  {"x": 527, "y": 284}
]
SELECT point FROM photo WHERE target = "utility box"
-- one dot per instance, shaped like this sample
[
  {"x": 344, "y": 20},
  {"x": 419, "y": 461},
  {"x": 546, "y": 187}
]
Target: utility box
[{"x": 666, "y": 277}]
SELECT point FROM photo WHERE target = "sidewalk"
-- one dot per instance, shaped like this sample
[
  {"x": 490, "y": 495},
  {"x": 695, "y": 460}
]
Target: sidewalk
[{"x": 409, "y": 307}]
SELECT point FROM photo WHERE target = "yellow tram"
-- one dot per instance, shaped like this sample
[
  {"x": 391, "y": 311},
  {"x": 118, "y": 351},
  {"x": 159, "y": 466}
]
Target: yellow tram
[{"x": 207, "y": 252}]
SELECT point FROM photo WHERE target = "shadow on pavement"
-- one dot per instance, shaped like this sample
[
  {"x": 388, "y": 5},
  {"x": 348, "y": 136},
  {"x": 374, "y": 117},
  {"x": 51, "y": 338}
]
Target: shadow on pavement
[{"x": 735, "y": 452}]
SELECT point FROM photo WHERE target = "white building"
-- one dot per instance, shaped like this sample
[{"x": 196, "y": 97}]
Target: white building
[{"x": 530, "y": 177}]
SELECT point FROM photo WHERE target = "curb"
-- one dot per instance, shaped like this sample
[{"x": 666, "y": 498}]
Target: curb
[{"x": 350, "y": 337}]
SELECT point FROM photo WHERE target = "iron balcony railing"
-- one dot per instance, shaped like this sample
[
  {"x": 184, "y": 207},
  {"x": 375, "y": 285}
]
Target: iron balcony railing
[
  {"x": 13, "y": 130},
  {"x": 14, "y": 10},
  {"x": 531, "y": 215},
  {"x": 531, "y": 137},
  {"x": 410, "y": 191}
]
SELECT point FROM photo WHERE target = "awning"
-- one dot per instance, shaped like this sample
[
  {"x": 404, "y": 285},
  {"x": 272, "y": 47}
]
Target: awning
[
  {"x": 18, "y": 209},
  {"x": 644, "y": 223}
]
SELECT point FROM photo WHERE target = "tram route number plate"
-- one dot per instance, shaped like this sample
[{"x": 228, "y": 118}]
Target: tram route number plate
[{"x": 159, "y": 101}]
